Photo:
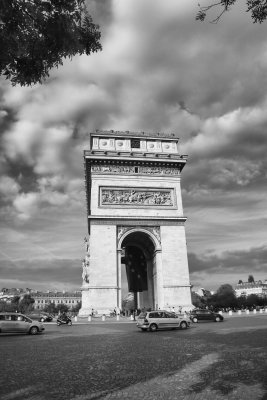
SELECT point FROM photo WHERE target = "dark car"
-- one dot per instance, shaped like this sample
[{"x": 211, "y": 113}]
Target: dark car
[
  {"x": 205, "y": 315},
  {"x": 40, "y": 316}
]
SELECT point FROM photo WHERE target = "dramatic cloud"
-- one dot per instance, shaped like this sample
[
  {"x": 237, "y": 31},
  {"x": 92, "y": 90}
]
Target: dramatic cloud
[
  {"x": 25, "y": 273},
  {"x": 234, "y": 264},
  {"x": 160, "y": 70}
]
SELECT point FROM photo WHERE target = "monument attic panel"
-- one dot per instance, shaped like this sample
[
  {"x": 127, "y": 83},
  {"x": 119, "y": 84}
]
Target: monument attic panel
[
  {"x": 136, "y": 197},
  {"x": 134, "y": 141},
  {"x": 157, "y": 146}
]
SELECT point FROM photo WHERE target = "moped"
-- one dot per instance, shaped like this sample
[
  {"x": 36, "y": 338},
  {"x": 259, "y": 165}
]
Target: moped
[{"x": 64, "y": 320}]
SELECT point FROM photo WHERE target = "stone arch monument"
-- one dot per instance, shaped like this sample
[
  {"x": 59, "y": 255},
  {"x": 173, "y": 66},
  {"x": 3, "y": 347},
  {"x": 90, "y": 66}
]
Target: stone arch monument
[{"x": 135, "y": 221}]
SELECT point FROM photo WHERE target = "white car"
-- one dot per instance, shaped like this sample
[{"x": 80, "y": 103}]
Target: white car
[
  {"x": 19, "y": 323},
  {"x": 161, "y": 319}
]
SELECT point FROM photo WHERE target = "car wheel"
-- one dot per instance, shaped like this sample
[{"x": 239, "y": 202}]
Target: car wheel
[
  {"x": 42, "y": 319},
  {"x": 58, "y": 323},
  {"x": 69, "y": 323},
  {"x": 183, "y": 325},
  {"x": 153, "y": 327},
  {"x": 33, "y": 330},
  {"x": 217, "y": 319},
  {"x": 143, "y": 329},
  {"x": 195, "y": 319}
]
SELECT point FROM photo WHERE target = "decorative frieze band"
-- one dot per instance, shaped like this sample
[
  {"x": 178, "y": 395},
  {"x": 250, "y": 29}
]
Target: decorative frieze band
[
  {"x": 158, "y": 171},
  {"x": 136, "y": 197},
  {"x": 112, "y": 169},
  {"x": 120, "y": 169}
]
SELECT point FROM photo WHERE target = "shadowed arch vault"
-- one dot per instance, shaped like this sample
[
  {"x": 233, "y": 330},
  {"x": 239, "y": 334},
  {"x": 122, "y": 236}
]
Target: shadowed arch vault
[{"x": 138, "y": 259}]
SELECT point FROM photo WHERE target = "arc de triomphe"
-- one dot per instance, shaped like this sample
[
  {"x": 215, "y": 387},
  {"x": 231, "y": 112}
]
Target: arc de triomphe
[{"x": 135, "y": 222}]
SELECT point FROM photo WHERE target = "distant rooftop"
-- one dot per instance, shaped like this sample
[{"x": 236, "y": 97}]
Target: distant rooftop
[{"x": 246, "y": 285}]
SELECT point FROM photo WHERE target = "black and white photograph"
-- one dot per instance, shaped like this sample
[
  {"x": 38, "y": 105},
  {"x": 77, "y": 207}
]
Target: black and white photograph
[{"x": 133, "y": 198}]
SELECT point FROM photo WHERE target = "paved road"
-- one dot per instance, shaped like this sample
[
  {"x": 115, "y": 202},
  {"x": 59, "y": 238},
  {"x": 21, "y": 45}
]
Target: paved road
[{"x": 114, "y": 360}]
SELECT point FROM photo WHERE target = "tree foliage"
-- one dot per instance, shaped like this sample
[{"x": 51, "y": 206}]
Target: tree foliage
[
  {"x": 198, "y": 301},
  {"x": 36, "y": 35},
  {"x": 26, "y": 304},
  {"x": 257, "y": 8},
  {"x": 62, "y": 308},
  {"x": 224, "y": 297},
  {"x": 51, "y": 308},
  {"x": 18, "y": 304},
  {"x": 251, "y": 279}
]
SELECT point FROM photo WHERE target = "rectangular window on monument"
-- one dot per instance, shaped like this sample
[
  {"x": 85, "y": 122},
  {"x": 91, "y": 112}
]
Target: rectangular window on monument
[{"x": 135, "y": 143}]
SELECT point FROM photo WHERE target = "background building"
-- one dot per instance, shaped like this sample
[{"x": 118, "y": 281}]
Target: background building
[
  {"x": 247, "y": 288},
  {"x": 43, "y": 298}
]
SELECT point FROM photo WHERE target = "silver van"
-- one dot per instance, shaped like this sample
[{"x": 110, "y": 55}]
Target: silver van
[
  {"x": 160, "y": 319},
  {"x": 19, "y": 323}
]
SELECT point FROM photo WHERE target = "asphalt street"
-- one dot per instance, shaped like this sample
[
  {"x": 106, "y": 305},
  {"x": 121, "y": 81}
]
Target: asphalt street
[{"x": 114, "y": 360}]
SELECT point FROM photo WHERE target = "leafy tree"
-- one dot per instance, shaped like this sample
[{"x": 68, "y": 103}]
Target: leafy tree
[
  {"x": 62, "y": 308},
  {"x": 252, "y": 300},
  {"x": 240, "y": 281},
  {"x": 4, "y": 306},
  {"x": 36, "y": 35},
  {"x": 198, "y": 301},
  {"x": 241, "y": 301},
  {"x": 224, "y": 297},
  {"x": 15, "y": 303},
  {"x": 51, "y": 308},
  {"x": 77, "y": 307},
  {"x": 26, "y": 304},
  {"x": 251, "y": 279},
  {"x": 257, "y": 8}
]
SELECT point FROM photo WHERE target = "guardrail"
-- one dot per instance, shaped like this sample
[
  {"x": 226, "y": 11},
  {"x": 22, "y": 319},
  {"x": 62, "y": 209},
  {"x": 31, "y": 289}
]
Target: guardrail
[{"x": 246, "y": 312}]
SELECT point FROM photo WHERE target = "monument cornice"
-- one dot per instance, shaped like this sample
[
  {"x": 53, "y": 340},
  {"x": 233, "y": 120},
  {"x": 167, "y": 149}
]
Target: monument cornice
[
  {"x": 132, "y": 134},
  {"x": 134, "y": 156},
  {"x": 128, "y": 221}
]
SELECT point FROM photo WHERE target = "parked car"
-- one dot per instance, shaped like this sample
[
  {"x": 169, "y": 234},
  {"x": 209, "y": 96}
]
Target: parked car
[
  {"x": 205, "y": 315},
  {"x": 19, "y": 323},
  {"x": 161, "y": 319},
  {"x": 40, "y": 316}
]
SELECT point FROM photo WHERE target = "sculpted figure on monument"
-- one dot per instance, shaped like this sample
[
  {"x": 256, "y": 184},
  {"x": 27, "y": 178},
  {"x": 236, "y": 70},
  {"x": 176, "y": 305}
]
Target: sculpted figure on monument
[
  {"x": 87, "y": 244},
  {"x": 86, "y": 261},
  {"x": 85, "y": 274}
]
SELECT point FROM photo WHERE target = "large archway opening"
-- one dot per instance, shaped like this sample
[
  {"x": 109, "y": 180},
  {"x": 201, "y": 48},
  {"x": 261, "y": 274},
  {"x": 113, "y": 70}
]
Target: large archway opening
[{"x": 138, "y": 272}]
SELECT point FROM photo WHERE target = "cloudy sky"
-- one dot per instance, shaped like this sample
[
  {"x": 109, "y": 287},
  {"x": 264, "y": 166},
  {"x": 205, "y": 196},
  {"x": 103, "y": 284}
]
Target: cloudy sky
[{"x": 159, "y": 71}]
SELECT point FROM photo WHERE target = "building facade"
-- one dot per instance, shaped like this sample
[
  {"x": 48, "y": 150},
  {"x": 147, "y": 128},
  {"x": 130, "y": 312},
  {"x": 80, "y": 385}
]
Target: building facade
[
  {"x": 43, "y": 298},
  {"x": 258, "y": 288}
]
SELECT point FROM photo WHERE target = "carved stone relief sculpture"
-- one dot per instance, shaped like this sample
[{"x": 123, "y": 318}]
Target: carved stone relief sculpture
[
  {"x": 86, "y": 261},
  {"x": 136, "y": 197}
]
